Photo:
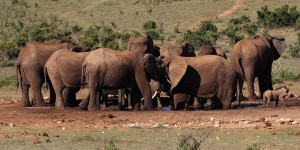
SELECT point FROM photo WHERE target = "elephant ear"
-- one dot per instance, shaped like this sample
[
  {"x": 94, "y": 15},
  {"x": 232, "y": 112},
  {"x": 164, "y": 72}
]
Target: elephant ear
[
  {"x": 150, "y": 67},
  {"x": 278, "y": 41},
  {"x": 176, "y": 68}
]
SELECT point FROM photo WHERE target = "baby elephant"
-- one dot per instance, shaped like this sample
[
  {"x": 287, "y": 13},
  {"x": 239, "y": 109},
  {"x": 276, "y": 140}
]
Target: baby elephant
[{"x": 275, "y": 95}]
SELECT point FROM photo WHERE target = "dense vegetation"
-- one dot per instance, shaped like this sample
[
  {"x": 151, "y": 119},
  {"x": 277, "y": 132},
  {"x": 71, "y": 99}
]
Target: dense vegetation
[{"x": 19, "y": 25}]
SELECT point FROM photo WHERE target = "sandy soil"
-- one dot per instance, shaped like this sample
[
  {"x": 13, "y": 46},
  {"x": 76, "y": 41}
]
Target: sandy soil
[{"x": 13, "y": 114}]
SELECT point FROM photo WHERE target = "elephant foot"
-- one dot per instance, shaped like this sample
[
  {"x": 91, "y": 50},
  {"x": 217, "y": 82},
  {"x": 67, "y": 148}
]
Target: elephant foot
[
  {"x": 130, "y": 107},
  {"x": 27, "y": 104},
  {"x": 60, "y": 108},
  {"x": 41, "y": 104},
  {"x": 137, "y": 107},
  {"x": 93, "y": 108}
]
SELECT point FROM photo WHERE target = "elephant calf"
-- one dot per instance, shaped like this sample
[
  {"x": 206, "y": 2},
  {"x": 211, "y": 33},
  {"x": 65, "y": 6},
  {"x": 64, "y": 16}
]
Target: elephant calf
[{"x": 275, "y": 95}]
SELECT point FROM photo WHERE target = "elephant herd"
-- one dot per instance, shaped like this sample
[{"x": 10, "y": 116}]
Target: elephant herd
[{"x": 146, "y": 72}]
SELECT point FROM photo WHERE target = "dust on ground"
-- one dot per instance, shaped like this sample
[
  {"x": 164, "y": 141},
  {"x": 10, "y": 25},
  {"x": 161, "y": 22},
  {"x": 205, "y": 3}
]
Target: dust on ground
[{"x": 13, "y": 114}]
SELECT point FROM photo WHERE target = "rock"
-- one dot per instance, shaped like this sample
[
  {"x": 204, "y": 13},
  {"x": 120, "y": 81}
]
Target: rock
[
  {"x": 212, "y": 119},
  {"x": 11, "y": 125},
  {"x": 63, "y": 128},
  {"x": 286, "y": 120},
  {"x": 58, "y": 122},
  {"x": 267, "y": 124},
  {"x": 217, "y": 125},
  {"x": 247, "y": 122},
  {"x": 294, "y": 123}
]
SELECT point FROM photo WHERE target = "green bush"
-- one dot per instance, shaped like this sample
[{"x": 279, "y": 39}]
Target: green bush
[
  {"x": 149, "y": 25},
  {"x": 253, "y": 147},
  {"x": 8, "y": 81},
  {"x": 238, "y": 28},
  {"x": 207, "y": 33},
  {"x": 153, "y": 33},
  {"x": 294, "y": 50},
  {"x": 284, "y": 16}
]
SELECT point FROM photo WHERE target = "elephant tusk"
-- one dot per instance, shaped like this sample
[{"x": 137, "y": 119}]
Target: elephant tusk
[
  {"x": 169, "y": 81},
  {"x": 154, "y": 95}
]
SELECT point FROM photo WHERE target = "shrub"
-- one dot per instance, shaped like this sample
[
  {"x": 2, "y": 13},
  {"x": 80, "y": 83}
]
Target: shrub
[
  {"x": 207, "y": 33},
  {"x": 294, "y": 50},
  {"x": 153, "y": 33},
  {"x": 149, "y": 25},
  {"x": 253, "y": 147},
  {"x": 238, "y": 28},
  {"x": 281, "y": 17}
]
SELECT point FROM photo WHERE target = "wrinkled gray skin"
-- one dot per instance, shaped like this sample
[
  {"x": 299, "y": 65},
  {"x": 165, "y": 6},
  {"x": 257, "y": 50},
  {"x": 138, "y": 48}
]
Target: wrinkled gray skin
[
  {"x": 29, "y": 68},
  {"x": 210, "y": 50},
  {"x": 117, "y": 70},
  {"x": 126, "y": 93},
  {"x": 64, "y": 70},
  {"x": 183, "y": 49},
  {"x": 208, "y": 77},
  {"x": 254, "y": 58}
]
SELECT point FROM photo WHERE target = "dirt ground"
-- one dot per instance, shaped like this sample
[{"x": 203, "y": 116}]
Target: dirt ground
[{"x": 13, "y": 114}]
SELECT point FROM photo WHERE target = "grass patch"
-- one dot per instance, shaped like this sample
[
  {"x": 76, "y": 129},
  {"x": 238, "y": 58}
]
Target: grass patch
[{"x": 8, "y": 81}]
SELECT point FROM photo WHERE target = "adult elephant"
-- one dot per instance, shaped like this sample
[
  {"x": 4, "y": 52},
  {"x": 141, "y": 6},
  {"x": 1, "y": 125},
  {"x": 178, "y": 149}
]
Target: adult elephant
[
  {"x": 208, "y": 77},
  {"x": 117, "y": 70},
  {"x": 64, "y": 70},
  {"x": 183, "y": 49},
  {"x": 254, "y": 57},
  {"x": 211, "y": 50},
  {"x": 30, "y": 64}
]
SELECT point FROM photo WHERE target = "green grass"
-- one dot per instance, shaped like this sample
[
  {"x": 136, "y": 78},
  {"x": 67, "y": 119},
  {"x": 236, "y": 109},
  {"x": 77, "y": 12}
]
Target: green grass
[{"x": 24, "y": 138}]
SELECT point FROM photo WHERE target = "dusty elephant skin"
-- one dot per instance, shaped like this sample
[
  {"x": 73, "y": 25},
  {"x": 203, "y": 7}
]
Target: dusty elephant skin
[
  {"x": 208, "y": 77},
  {"x": 64, "y": 70},
  {"x": 210, "y": 50},
  {"x": 254, "y": 57},
  {"x": 30, "y": 63},
  {"x": 182, "y": 49},
  {"x": 106, "y": 68}
]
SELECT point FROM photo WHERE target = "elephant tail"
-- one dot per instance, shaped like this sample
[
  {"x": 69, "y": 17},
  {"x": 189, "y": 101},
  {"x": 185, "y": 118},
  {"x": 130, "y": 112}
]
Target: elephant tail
[
  {"x": 45, "y": 77},
  {"x": 18, "y": 74},
  {"x": 83, "y": 78}
]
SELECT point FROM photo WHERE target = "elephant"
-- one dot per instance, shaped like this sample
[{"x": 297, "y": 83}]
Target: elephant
[
  {"x": 210, "y": 50},
  {"x": 64, "y": 70},
  {"x": 183, "y": 49},
  {"x": 106, "y": 68},
  {"x": 253, "y": 57},
  {"x": 208, "y": 77},
  {"x": 29, "y": 68}
]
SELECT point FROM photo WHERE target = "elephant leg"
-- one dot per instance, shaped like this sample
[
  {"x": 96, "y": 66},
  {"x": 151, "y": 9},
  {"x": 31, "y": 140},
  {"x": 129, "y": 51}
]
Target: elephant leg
[
  {"x": 65, "y": 96},
  {"x": 52, "y": 94},
  {"x": 136, "y": 99},
  {"x": 93, "y": 96},
  {"x": 121, "y": 99},
  {"x": 159, "y": 105},
  {"x": 265, "y": 82},
  {"x": 249, "y": 73},
  {"x": 129, "y": 99},
  {"x": 72, "y": 101},
  {"x": 104, "y": 100},
  {"x": 179, "y": 100},
  {"x": 84, "y": 103},
  {"x": 38, "y": 95},
  {"x": 25, "y": 95}
]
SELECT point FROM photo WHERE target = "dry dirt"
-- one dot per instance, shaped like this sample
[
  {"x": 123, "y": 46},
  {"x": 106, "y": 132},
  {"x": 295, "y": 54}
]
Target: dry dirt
[{"x": 13, "y": 114}]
